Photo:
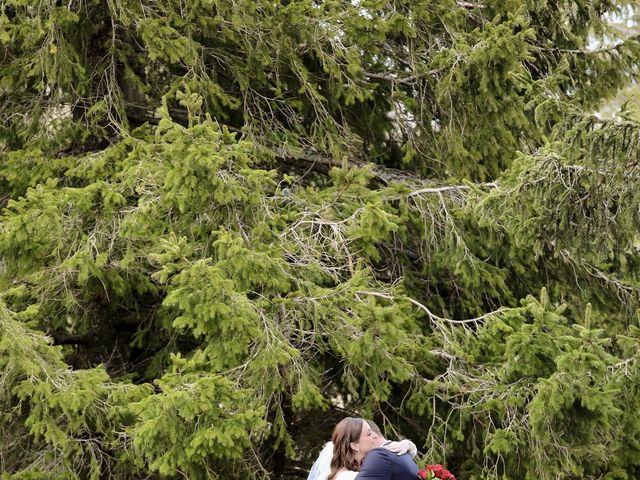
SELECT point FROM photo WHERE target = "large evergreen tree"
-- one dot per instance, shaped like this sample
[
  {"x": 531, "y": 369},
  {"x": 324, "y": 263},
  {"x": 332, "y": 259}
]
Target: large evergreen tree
[{"x": 227, "y": 224}]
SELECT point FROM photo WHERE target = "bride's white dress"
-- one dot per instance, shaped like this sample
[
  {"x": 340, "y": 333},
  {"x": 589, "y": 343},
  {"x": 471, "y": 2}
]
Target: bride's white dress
[
  {"x": 322, "y": 467},
  {"x": 346, "y": 475}
]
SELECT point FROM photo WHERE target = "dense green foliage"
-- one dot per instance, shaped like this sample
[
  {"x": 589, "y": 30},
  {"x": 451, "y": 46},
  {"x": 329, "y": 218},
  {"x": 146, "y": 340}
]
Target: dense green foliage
[{"x": 227, "y": 224}]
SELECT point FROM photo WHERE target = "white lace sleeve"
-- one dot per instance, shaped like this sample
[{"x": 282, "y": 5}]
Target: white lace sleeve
[{"x": 322, "y": 466}]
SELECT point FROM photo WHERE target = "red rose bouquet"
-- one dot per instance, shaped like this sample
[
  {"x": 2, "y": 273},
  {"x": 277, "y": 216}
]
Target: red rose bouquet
[{"x": 435, "y": 471}]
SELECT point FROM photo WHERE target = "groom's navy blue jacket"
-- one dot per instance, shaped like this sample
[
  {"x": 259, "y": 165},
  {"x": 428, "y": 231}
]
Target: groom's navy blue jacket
[{"x": 381, "y": 464}]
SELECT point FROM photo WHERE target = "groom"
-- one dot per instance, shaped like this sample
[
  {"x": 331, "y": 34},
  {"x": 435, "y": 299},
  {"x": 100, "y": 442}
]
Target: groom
[{"x": 382, "y": 464}]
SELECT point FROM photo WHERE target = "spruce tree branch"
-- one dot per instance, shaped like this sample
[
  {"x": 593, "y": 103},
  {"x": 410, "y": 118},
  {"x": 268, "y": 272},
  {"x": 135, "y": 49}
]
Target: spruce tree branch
[
  {"x": 464, "y": 4},
  {"x": 448, "y": 188},
  {"x": 323, "y": 163},
  {"x": 408, "y": 79},
  {"x": 318, "y": 162},
  {"x": 623, "y": 366},
  {"x": 71, "y": 339},
  {"x": 586, "y": 51},
  {"x": 432, "y": 316},
  {"x": 625, "y": 291},
  {"x": 443, "y": 354}
]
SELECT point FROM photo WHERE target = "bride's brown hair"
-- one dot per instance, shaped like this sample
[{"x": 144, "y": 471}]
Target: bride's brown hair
[{"x": 346, "y": 431}]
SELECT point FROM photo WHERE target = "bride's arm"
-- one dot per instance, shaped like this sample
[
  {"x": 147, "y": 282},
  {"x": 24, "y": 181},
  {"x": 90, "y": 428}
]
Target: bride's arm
[{"x": 402, "y": 447}]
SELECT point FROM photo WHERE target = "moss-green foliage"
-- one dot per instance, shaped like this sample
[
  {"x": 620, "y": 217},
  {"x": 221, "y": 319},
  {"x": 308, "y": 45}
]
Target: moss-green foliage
[{"x": 225, "y": 225}]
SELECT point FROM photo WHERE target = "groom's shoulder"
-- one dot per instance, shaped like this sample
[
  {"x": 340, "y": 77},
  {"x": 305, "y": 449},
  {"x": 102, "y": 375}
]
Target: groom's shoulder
[{"x": 380, "y": 454}]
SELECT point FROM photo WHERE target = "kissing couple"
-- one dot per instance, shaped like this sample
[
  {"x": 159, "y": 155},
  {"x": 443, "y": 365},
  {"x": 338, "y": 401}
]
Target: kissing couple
[{"x": 359, "y": 451}]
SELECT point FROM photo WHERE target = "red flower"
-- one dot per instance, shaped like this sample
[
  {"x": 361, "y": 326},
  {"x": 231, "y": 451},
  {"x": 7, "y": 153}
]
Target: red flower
[{"x": 435, "y": 471}]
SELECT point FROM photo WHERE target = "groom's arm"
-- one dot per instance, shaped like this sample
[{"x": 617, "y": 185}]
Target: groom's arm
[{"x": 376, "y": 465}]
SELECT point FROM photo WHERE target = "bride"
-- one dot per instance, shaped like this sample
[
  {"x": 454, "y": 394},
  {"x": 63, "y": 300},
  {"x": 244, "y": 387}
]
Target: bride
[{"x": 352, "y": 439}]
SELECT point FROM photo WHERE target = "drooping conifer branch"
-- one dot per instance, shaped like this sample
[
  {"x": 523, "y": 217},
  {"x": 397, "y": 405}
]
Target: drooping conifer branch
[{"x": 631, "y": 43}]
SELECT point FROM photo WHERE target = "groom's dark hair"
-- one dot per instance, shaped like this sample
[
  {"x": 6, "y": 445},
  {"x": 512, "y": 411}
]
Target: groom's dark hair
[{"x": 374, "y": 428}]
